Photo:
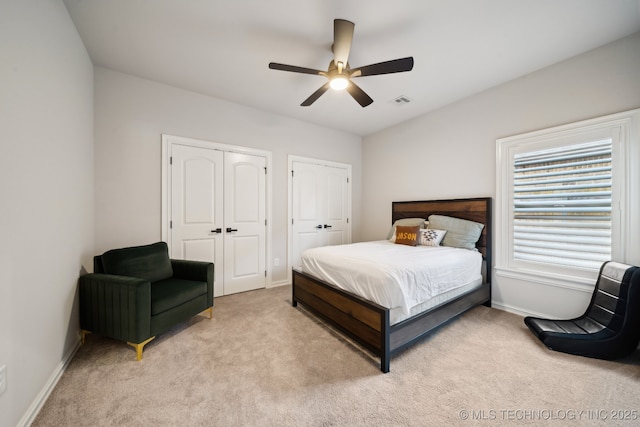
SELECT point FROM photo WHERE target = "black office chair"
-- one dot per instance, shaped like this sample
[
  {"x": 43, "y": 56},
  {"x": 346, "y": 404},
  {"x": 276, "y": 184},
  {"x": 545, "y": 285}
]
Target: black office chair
[{"x": 610, "y": 328}]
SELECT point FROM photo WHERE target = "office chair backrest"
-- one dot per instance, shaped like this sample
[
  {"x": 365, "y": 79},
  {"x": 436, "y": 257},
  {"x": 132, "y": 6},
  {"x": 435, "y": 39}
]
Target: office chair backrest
[{"x": 616, "y": 299}]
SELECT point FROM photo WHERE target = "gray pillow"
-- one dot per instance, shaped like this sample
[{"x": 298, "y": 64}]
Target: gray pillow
[
  {"x": 410, "y": 222},
  {"x": 461, "y": 233}
]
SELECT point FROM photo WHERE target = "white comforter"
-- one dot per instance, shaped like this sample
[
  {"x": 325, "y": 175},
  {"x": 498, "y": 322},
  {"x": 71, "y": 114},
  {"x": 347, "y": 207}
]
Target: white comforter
[{"x": 393, "y": 275}]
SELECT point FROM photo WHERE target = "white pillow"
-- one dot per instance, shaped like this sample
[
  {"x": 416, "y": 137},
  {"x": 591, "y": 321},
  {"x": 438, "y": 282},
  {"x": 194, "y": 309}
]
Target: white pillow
[{"x": 431, "y": 237}]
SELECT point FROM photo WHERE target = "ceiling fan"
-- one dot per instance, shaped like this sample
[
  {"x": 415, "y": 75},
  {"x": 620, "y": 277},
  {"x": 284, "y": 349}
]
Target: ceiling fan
[{"x": 339, "y": 73}]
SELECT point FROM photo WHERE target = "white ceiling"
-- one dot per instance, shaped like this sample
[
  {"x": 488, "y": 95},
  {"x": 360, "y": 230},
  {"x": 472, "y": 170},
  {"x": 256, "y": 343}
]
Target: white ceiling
[{"x": 222, "y": 48}]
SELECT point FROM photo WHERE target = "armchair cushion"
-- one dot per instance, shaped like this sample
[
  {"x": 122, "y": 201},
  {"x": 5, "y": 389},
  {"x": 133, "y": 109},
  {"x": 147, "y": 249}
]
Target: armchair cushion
[
  {"x": 149, "y": 262},
  {"x": 170, "y": 293}
]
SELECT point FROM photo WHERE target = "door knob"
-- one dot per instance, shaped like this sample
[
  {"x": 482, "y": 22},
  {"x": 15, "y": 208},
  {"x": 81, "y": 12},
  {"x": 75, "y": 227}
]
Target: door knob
[
  {"x": 327, "y": 226},
  {"x": 229, "y": 229},
  {"x": 318, "y": 226},
  {"x": 217, "y": 230}
]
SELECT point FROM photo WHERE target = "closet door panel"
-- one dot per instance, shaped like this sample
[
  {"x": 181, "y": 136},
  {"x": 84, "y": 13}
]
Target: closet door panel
[
  {"x": 245, "y": 223},
  {"x": 308, "y": 208},
  {"x": 337, "y": 206},
  {"x": 196, "y": 206}
]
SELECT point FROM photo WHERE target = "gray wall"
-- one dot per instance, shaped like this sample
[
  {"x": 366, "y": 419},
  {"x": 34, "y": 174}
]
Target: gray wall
[
  {"x": 46, "y": 181},
  {"x": 451, "y": 152},
  {"x": 132, "y": 114}
]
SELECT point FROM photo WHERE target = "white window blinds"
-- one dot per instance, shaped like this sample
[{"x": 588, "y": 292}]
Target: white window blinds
[{"x": 562, "y": 205}]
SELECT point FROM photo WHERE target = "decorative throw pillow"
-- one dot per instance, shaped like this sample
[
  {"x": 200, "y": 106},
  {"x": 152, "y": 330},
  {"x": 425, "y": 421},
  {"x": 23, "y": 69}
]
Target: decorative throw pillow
[
  {"x": 407, "y": 235},
  {"x": 405, "y": 221},
  {"x": 461, "y": 233},
  {"x": 431, "y": 237}
]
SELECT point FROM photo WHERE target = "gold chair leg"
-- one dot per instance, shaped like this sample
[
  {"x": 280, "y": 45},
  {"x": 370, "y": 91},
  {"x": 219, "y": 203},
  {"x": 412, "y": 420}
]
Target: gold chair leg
[
  {"x": 208, "y": 312},
  {"x": 139, "y": 347},
  {"x": 83, "y": 334}
]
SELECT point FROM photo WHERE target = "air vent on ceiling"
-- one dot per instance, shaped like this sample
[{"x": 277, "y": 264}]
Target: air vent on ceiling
[{"x": 401, "y": 100}]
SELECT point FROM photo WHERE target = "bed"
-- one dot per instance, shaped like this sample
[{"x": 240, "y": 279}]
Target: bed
[{"x": 370, "y": 324}]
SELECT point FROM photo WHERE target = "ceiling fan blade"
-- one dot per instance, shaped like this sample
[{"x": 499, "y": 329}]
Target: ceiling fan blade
[
  {"x": 359, "y": 95},
  {"x": 342, "y": 38},
  {"x": 293, "y": 68},
  {"x": 315, "y": 95},
  {"x": 387, "y": 67}
]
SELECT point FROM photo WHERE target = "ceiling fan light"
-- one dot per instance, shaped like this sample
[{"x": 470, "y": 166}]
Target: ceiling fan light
[{"x": 339, "y": 83}]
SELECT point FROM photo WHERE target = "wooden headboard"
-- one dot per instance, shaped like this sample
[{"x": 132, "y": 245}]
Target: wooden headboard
[{"x": 478, "y": 210}]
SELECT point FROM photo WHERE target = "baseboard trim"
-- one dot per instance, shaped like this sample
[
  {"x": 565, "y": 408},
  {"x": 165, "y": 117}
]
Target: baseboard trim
[
  {"x": 517, "y": 310},
  {"x": 42, "y": 397},
  {"x": 279, "y": 283}
]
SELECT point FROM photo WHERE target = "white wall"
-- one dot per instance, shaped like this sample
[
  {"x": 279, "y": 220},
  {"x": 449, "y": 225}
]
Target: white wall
[
  {"x": 451, "y": 152},
  {"x": 132, "y": 114},
  {"x": 47, "y": 169},
  {"x": 46, "y": 188}
]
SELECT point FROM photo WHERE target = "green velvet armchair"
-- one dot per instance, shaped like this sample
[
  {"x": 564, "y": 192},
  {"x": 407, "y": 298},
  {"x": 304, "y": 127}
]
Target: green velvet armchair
[{"x": 138, "y": 292}]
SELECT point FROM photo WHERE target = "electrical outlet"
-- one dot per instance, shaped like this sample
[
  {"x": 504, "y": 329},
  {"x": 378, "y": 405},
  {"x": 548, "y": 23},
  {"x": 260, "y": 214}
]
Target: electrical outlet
[
  {"x": 276, "y": 262},
  {"x": 3, "y": 378}
]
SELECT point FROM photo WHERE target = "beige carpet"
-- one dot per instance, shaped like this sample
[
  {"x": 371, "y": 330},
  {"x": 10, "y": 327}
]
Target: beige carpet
[{"x": 261, "y": 362}]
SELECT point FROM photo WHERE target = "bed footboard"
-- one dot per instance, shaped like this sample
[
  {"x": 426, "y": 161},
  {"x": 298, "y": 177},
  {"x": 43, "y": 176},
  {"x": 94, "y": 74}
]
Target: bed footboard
[
  {"x": 364, "y": 321},
  {"x": 407, "y": 332},
  {"x": 367, "y": 323}
]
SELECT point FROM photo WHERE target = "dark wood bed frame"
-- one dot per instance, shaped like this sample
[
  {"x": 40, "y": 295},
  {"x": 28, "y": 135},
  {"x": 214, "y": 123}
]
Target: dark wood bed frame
[{"x": 368, "y": 323}]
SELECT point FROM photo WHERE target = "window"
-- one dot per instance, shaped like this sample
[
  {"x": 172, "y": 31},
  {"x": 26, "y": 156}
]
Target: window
[
  {"x": 563, "y": 197},
  {"x": 562, "y": 205}
]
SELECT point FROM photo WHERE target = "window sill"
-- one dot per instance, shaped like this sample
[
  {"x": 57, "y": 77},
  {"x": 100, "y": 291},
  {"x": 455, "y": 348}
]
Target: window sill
[{"x": 549, "y": 279}]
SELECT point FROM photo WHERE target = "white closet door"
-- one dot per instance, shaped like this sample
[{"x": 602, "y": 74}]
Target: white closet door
[
  {"x": 320, "y": 207},
  {"x": 308, "y": 208},
  {"x": 336, "y": 220},
  {"x": 218, "y": 214},
  {"x": 245, "y": 223},
  {"x": 196, "y": 207}
]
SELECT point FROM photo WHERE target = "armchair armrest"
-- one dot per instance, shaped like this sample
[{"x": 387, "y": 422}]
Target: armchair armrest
[
  {"x": 115, "y": 306},
  {"x": 195, "y": 270},
  {"x": 192, "y": 270}
]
